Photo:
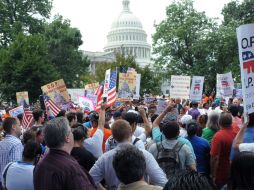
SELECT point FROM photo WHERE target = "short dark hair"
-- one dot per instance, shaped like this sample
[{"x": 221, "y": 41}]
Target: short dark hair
[
  {"x": 8, "y": 123},
  {"x": 154, "y": 117},
  {"x": 129, "y": 164},
  {"x": 80, "y": 117},
  {"x": 187, "y": 180},
  {"x": 37, "y": 114},
  {"x": 121, "y": 130},
  {"x": 131, "y": 117},
  {"x": 170, "y": 129},
  {"x": 31, "y": 150},
  {"x": 225, "y": 120},
  {"x": 242, "y": 174},
  {"x": 234, "y": 109},
  {"x": 29, "y": 135},
  {"x": 192, "y": 128},
  {"x": 55, "y": 132},
  {"x": 79, "y": 132},
  {"x": 70, "y": 116}
]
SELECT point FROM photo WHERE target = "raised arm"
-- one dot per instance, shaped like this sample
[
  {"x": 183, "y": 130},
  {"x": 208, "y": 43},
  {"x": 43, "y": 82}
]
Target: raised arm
[
  {"x": 158, "y": 120},
  {"x": 145, "y": 119},
  {"x": 239, "y": 136},
  {"x": 101, "y": 121}
]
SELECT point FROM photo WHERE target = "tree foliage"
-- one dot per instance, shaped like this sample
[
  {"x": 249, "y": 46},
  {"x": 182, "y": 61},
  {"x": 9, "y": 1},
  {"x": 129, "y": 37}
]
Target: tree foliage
[
  {"x": 187, "y": 42},
  {"x": 22, "y": 16},
  {"x": 150, "y": 81},
  {"x": 25, "y": 67},
  {"x": 63, "y": 51}
]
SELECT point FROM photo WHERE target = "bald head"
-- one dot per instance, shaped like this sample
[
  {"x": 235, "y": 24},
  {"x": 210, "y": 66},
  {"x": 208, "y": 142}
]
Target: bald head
[{"x": 236, "y": 102}]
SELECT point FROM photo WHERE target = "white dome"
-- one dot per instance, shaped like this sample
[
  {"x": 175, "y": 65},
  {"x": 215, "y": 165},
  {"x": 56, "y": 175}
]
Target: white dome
[{"x": 127, "y": 36}]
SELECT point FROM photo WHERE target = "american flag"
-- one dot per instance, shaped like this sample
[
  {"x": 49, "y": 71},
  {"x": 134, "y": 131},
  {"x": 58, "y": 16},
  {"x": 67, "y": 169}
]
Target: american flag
[
  {"x": 99, "y": 93},
  {"x": 51, "y": 108},
  {"x": 112, "y": 89},
  {"x": 28, "y": 119}
]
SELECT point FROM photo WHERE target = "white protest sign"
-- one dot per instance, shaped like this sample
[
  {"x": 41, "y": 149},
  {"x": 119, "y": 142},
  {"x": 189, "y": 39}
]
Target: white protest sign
[
  {"x": 106, "y": 83},
  {"x": 197, "y": 88},
  {"x": 224, "y": 85},
  {"x": 245, "y": 37},
  {"x": 162, "y": 105},
  {"x": 138, "y": 80},
  {"x": 16, "y": 111},
  {"x": 180, "y": 87},
  {"x": 75, "y": 93}
]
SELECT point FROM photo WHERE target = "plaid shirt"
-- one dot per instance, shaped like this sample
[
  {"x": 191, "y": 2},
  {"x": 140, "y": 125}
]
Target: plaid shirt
[{"x": 11, "y": 150}]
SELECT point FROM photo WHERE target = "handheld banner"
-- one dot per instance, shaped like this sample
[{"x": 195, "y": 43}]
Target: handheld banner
[
  {"x": 22, "y": 98},
  {"x": 196, "y": 88},
  {"x": 16, "y": 111},
  {"x": 224, "y": 85},
  {"x": 180, "y": 87}
]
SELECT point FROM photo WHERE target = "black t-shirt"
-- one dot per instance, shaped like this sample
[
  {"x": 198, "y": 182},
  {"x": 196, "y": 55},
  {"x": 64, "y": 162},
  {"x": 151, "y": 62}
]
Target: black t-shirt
[{"x": 84, "y": 157}]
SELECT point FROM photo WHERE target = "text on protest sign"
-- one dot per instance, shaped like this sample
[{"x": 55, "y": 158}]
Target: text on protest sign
[
  {"x": 180, "y": 87},
  {"x": 245, "y": 37}
]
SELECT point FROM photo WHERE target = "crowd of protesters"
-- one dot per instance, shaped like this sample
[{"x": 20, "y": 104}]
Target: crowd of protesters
[{"x": 188, "y": 146}]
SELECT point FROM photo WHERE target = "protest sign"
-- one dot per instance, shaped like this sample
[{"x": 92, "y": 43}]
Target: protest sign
[
  {"x": 138, "y": 80},
  {"x": 245, "y": 37},
  {"x": 106, "y": 83},
  {"x": 180, "y": 87},
  {"x": 57, "y": 92},
  {"x": 16, "y": 111},
  {"x": 22, "y": 98},
  {"x": 127, "y": 85},
  {"x": 91, "y": 88},
  {"x": 162, "y": 105},
  {"x": 86, "y": 104},
  {"x": 74, "y": 93},
  {"x": 224, "y": 85},
  {"x": 196, "y": 88},
  {"x": 149, "y": 100}
]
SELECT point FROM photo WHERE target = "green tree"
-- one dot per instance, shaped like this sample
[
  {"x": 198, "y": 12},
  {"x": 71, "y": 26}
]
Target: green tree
[
  {"x": 187, "y": 42},
  {"x": 150, "y": 81},
  {"x": 63, "y": 51},
  {"x": 24, "y": 67},
  {"x": 22, "y": 16}
]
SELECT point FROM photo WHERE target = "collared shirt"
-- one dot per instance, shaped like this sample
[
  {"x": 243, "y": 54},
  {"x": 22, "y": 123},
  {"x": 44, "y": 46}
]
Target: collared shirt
[
  {"x": 11, "y": 150},
  {"x": 185, "y": 155},
  {"x": 94, "y": 144},
  {"x": 60, "y": 171},
  {"x": 158, "y": 136},
  {"x": 19, "y": 176},
  {"x": 103, "y": 169},
  {"x": 139, "y": 185}
]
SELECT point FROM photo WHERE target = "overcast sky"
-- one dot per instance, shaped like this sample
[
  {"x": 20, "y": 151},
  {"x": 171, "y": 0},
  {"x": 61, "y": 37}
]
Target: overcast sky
[{"x": 94, "y": 17}]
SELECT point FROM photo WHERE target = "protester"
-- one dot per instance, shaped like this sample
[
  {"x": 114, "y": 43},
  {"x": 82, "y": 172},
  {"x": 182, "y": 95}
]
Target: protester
[
  {"x": 72, "y": 118},
  {"x": 130, "y": 165},
  {"x": 58, "y": 169},
  {"x": 183, "y": 123},
  {"x": 11, "y": 147},
  {"x": 19, "y": 175},
  {"x": 220, "y": 150},
  {"x": 201, "y": 148},
  {"x": 241, "y": 173},
  {"x": 202, "y": 121},
  {"x": 39, "y": 118},
  {"x": 94, "y": 117},
  {"x": 189, "y": 180},
  {"x": 168, "y": 115},
  {"x": 212, "y": 126},
  {"x": 84, "y": 157},
  {"x": 240, "y": 108},
  {"x": 172, "y": 155},
  {"x": 194, "y": 112},
  {"x": 103, "y": 168}
]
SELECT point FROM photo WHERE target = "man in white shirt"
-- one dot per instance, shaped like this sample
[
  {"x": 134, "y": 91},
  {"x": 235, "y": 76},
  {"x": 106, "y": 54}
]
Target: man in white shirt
[{"x": 103, "y": 169}]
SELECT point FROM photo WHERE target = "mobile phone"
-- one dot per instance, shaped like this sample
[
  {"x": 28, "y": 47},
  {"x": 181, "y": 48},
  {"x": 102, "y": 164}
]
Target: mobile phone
[{"x": 104, "y": 99}]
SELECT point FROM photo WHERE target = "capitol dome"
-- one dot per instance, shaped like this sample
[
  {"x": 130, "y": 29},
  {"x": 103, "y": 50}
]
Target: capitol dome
[{"x": 127, "y": 36}]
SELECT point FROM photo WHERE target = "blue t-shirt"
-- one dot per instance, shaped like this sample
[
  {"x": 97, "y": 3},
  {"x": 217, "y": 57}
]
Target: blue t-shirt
[
  {"x": 202, "y": 150},
  {"x": 248, "y": 137}
]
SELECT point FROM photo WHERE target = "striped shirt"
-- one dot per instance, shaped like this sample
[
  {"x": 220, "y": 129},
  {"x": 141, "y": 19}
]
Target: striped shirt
[{"x": 11, "y": 150}]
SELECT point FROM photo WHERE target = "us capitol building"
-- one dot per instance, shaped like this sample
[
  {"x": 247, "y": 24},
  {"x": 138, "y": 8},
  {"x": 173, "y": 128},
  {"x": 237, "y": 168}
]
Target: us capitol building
[
  {"x": 125, "y": 36},
  {"x": 128, "y": 37}
]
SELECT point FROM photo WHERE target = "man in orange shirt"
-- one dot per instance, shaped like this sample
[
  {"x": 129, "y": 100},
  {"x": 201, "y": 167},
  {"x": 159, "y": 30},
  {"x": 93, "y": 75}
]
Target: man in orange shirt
[{"x": 94, "y": 117}]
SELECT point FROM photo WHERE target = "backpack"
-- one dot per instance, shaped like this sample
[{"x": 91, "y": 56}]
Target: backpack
[{"x": 168, "y": 159}]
